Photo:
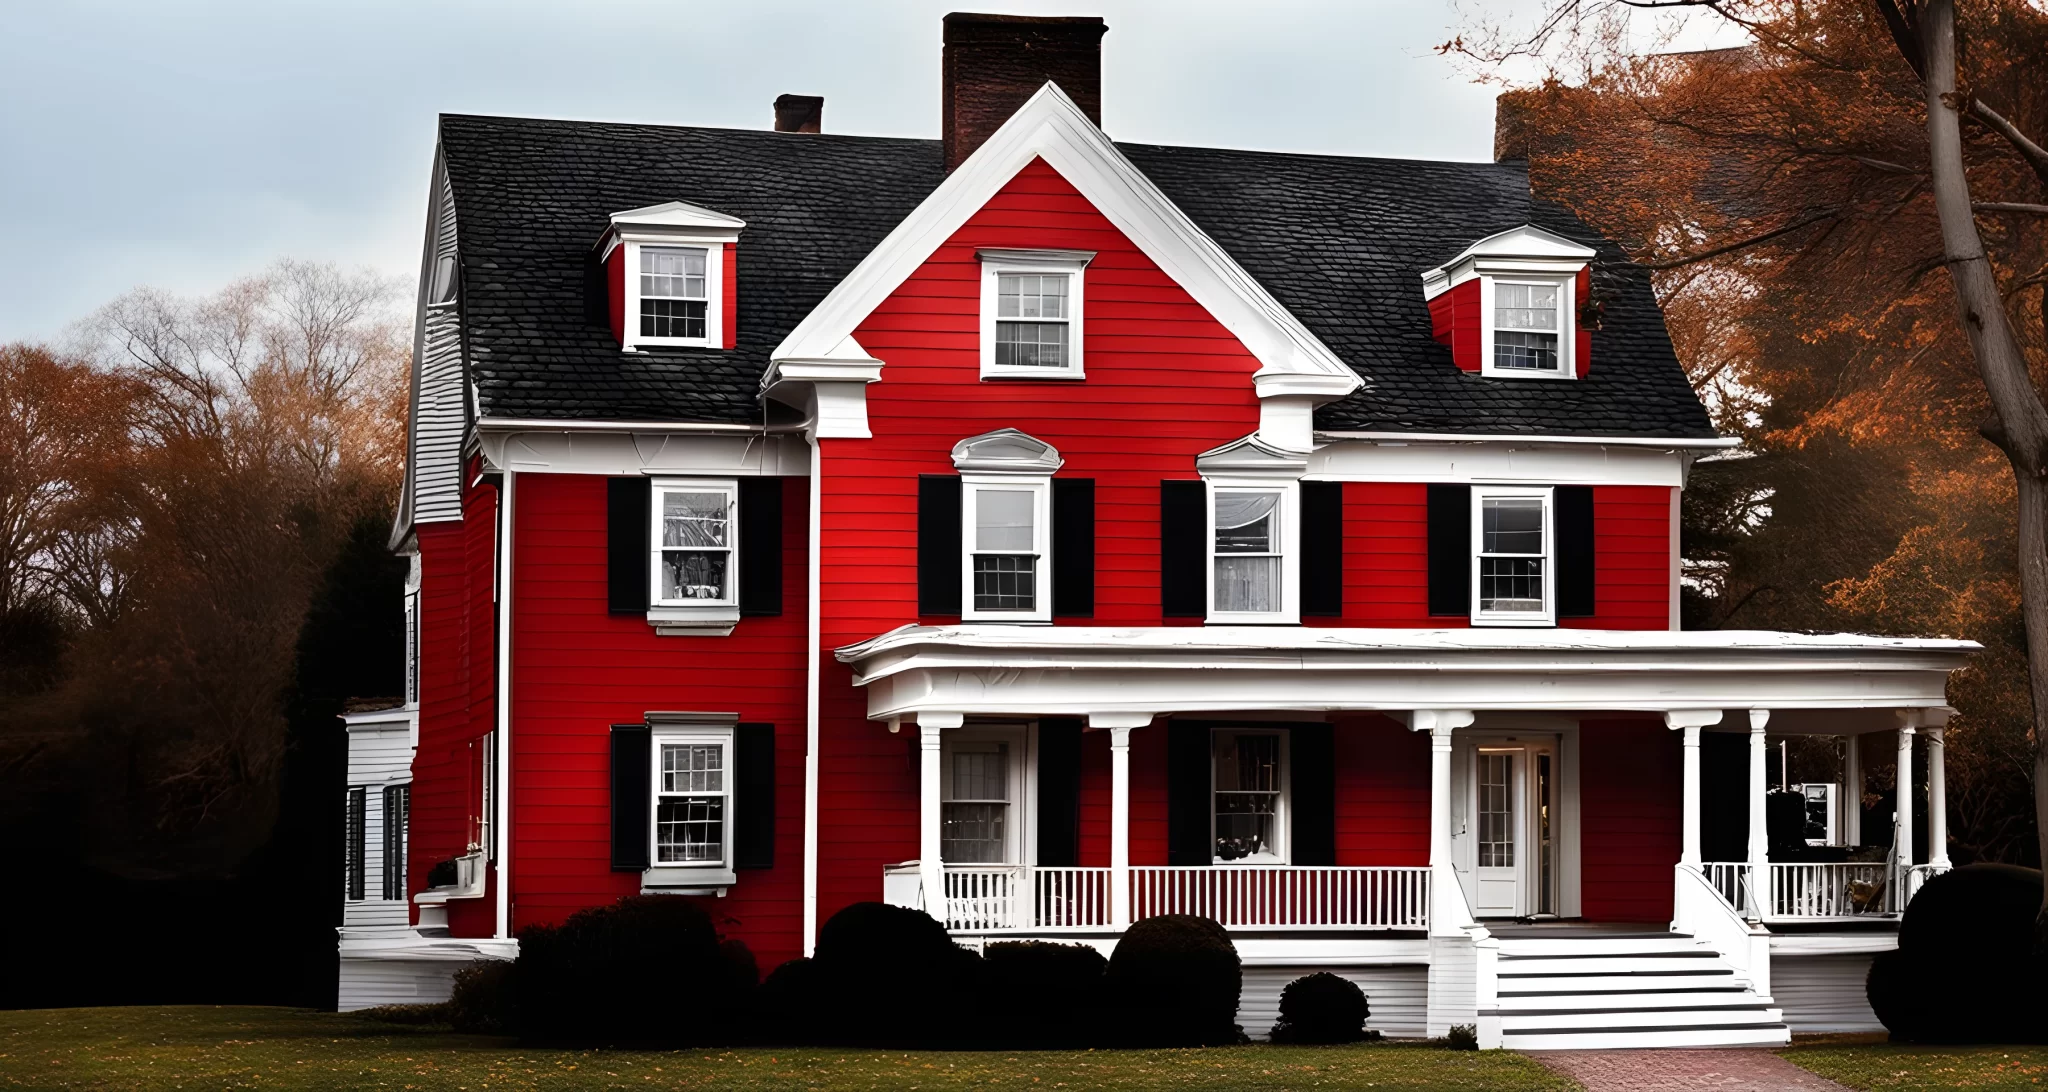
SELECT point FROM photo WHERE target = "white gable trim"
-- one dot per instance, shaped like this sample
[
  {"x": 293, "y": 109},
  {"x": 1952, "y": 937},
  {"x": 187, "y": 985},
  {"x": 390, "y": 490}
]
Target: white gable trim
[
  {"x": 1051, "y": 127},
  {"x": 677, "y": 214}
]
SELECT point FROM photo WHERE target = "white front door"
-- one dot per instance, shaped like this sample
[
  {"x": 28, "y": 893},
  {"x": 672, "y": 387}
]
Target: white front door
[{"x": 1500, "y": 828}]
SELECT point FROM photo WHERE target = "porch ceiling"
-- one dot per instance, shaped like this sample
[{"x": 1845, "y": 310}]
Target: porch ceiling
[{"x": 1076, "y": 670}]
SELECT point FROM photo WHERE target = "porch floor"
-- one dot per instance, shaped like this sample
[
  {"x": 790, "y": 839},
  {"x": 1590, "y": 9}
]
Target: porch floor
[{"x": 1567, "y": 930}]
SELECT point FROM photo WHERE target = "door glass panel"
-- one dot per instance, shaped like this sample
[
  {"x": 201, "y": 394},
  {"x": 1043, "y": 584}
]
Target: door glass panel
[{"x": 1496, "y": 810}]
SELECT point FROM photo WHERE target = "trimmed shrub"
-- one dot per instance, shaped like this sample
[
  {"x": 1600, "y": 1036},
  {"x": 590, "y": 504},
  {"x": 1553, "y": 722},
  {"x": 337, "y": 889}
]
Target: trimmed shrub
[
  {"x": 1462, "y": 1037},
  {"x": 1965, "y": 968},
  {"x": 1322, "y": 1008},
  {"x": 483, "y": 1002},
  {"x": 1176, "y": 979},
  {"x": 886, "y": 976},
  {"x": 1041, "y": 995},
  {"x": 647, "y": 970}
]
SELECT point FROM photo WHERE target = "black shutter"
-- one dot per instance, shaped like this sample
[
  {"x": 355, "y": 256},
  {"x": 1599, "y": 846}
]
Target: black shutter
[
  {"x": 760, "y": 521},
  {"x": 753, "y": 843},
  {"x": 1187, "y": 795},
  {"x": 1574, "y": 515},
  {"x": 354, "y": 851},
  {"x": 628, "y": 540},
  {"x": 1059, "y": 792},
  {"x": 1073, "y": 547},
  {"x": 1312, "y": 807},
  {"x": 1322, "y": 549},
  {"x": 1183, "y": 523},
  {"x": 938, "y": 544},
  {"x": 1450, "y": 549},
  {"x": 632, "y": 785}
]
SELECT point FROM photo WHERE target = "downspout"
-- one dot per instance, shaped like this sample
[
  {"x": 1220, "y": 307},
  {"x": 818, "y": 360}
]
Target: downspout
[
  {"x": 502, "y": 821},
  {"x": 813, "y": 679}
]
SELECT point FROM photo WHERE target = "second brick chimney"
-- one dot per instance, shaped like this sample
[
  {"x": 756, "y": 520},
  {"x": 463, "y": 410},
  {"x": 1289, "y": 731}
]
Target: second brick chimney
[
  {"x": 993, "y": 63},
  {"x": 799, "y": 114}
]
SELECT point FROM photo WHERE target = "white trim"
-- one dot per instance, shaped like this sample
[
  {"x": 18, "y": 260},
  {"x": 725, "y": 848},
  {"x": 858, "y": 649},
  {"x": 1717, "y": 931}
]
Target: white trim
[
  {"x": 714, "y": 292},
  {"x": 1567, "y": 332},
  {"x": 1006, "y": 451},
  {"x": 1040, "y": 489},
  {"x": 682, "y": 615},
  {"x": 502, "y": 733},
  {"x": 680, "y": 217},
  {"x": 1050, "y": 127},
  {"x": 613, "y": 453},
  {"x": 995, "y": 264},
  {"x": 1524, "y": 249},
  {"x": 1286, "y": 525},
  {"x": 1672, "y": 442},
  {"x": 1548, "y": 615},
  {"x": 1499, "y": 462},
  {"x": 814, "y": 666},
  {"x": 548, "y": 424}
]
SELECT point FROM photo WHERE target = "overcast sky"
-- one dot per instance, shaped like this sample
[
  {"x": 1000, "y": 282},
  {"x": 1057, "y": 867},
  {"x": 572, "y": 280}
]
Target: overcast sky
[{"x": 181, "y": 144}]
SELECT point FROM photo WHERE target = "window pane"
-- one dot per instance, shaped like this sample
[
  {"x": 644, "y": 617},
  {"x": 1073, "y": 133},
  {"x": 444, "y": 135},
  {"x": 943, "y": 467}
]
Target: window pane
[
  {"x": 1525, "y": 307},
  {"x": 982, "y": 775},
  {"x": 1249, "y": 763},
  {"x": 1005, "y": 582},
  {"x": 972, "y": 833},
  {"x": 692, "y": 767},
  {"x": 1512, "y": 525},
  {"x": 671, "y": 318},
  {"x": 1526, "y": 352},
  {"x": 1496, "y": 799},
  {"x": 1511, "y": 583},
  {"x": 1247, "y": 583},
  {"x": 693, "y": 574},
  {"x": 1021, "y": 295},
  {"x": 1247, "y": 795},
  {"x": 694, "y": 519},
  {"x": 1002, "y": 519},
  {"x": 672, "y": 268},
  {"x": 1031, "y": 344},
  {"x": 1244, "y": 523},
  {"x": 689, "y": 828}
]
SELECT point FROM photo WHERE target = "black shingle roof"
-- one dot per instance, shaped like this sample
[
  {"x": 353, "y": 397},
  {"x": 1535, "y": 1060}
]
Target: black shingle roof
[{"x": 1342, "y": 242}]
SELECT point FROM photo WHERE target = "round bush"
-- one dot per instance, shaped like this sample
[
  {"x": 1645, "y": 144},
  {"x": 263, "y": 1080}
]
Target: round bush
[
  {"x": 1965, "y": 968},
  {"x": 1177, "y": 978},
  {"x": 482, "y": 1002},
  {"x": 645, "y": 971},
  {"x": 1322, "y": 1008},
  {"x": 1041, "y": 995},
  {"x": 889, "y": 975}
]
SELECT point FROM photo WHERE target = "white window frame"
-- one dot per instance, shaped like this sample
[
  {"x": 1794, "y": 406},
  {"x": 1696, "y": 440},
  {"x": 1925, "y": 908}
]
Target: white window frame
[
  {"x": 1282, "y": 808},
  {"x": 1019, "y": 833},
  {"x": 1040, "y": 488},
  {"x": 1288, "y": 524},
  {"x": 1073, "y": 265},
  {"x": 714, "y": 294},
  {"x": 1567, "y": 313},
  {"x": 683, "y": 877},
  {"x": 687, "y": 615},
  {"x": 1548, "y": 615}
]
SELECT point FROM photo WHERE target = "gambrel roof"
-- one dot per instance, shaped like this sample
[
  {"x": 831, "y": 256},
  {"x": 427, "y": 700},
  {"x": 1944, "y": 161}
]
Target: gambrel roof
[{"x": 1339, "y": 241}]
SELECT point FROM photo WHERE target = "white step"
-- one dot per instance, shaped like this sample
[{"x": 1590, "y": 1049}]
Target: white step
[
  {"x": 1643, "y": 1038},
  {"x": 1714, "y": 980},
  {"x": 1598, "y": 945},
  {"x": 1568, "y": 966},
  {"x": 1533, "y": 1003},
  {"x": 1654, "y": 1018}
]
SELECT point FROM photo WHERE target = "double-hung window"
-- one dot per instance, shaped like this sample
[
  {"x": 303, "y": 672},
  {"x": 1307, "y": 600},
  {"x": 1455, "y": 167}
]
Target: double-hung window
[
  {"x": 1528, "y": 326},
  {"x": 692, "y": 800},
  {"x": 675, "y": 299},
  {"x": 1248, "y": 820},
  {"x": 976, "y": 824},
  {"x": 1513, "y": 574},
  {"x": 1031, "y": 313},
  {"x": 396, "y": 818},
  {"x": 694, "y": 555},
  {"x": 1252, "y": 566},
  {"x": 1006, "y": 528},
  {"x": 355, "y": 856}
]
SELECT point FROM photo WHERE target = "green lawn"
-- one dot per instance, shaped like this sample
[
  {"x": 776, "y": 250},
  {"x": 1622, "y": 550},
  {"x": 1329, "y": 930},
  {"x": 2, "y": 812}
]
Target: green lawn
[
  {"x": 1867, "y": 1061},
  {"x": 190, "y": 1047}
]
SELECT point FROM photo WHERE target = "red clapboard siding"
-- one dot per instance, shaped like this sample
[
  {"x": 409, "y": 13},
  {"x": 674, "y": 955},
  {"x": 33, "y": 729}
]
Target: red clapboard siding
[
  {"x": 578, "y": 669},
  {"x": 615, "y": 277},
  {"x": 729, "y": 307},
  {"x": 1454, "y": 321},
  {"x": 1159, "y": 368},
  {"x": 1582, "y": 336},
  {"x": 440, "y": 806},
  {"x": 1629, "y": 786},
  {"x": 1382, "y": 793},
  {"x": 1386, "y": 557},
  {"x": 1632, "y": 558}
]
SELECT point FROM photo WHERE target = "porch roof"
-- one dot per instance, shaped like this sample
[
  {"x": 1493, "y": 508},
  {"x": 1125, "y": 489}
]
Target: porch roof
[{"x": 1077, "y": 670}]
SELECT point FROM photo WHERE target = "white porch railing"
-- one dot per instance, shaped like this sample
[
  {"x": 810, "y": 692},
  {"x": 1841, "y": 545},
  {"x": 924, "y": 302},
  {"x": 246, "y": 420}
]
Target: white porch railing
[
  {"x": 1285, "y": 898},
  {"x": 1803, "y": 891}
]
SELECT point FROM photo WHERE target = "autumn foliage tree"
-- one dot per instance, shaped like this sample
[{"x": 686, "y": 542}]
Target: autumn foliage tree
[{"x": 1847, "y": 220}]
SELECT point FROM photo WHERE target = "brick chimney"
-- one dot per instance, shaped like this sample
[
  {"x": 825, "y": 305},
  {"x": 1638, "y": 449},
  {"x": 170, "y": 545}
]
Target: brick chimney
[
  {"x": 1510, "y": 126},
  {"x": 995, "y": 62},
  {"x": 800, "y": 114}
]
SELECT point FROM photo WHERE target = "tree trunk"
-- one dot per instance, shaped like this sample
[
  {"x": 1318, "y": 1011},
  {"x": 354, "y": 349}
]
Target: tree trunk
[{"x": 2021, "y": 429}]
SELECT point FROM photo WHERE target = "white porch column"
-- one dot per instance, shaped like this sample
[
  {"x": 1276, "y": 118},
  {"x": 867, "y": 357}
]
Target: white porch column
[
  {"x": 1445, "y": 914},
  {"x": 1852, "y": 790},
  {"x": 1119, "y": 726},
  {"x": 1690, "y": 721},
  {"x": 1759, "y": 814},
  {"x": 1902, "y": 794},
  {"x": 1937, "y": 801},
  {"x": 931, "y": 869}
]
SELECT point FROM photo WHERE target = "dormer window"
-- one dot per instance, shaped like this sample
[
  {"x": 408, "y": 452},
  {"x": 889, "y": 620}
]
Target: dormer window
[
  {"x": 1031, "y": 313},
  {"x": 668, "y": 273},
  {"x": 1505, "y": 305},
  {"x": 1530, "y": 324}
]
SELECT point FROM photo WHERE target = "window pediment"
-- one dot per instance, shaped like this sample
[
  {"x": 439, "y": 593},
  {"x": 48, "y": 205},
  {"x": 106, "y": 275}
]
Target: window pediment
[{"x": 1006, "y": 451}]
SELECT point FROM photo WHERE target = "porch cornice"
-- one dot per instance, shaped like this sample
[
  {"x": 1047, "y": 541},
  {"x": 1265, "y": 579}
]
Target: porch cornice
[{"x": 1067, "y": 670}]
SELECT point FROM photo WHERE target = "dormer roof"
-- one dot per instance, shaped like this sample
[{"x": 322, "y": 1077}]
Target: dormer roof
[{"x": 1524, "y": 249}]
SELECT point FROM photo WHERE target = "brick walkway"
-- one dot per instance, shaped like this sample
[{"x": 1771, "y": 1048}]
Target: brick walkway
[{"x": 1726, "y": 1070}]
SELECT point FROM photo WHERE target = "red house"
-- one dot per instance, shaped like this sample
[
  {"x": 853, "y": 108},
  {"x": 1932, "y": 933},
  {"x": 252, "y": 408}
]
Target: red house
[{"x": 1048, "y": 533}]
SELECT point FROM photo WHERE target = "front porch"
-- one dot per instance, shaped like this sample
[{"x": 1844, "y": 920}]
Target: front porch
[{"x": 1509, "y": 719}]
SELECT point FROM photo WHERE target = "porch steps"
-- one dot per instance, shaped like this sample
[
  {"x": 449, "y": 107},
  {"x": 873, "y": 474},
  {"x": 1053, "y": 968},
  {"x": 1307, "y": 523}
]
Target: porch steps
[{"x": 1609, "y": 991}]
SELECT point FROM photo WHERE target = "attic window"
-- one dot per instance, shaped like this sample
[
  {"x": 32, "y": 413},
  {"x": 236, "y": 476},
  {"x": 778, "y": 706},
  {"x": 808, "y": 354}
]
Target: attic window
[
  {"x": 1031, "y": 313},
  {"x": 673, "y": 299},
  {"x": 1527, "y": 326}
]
